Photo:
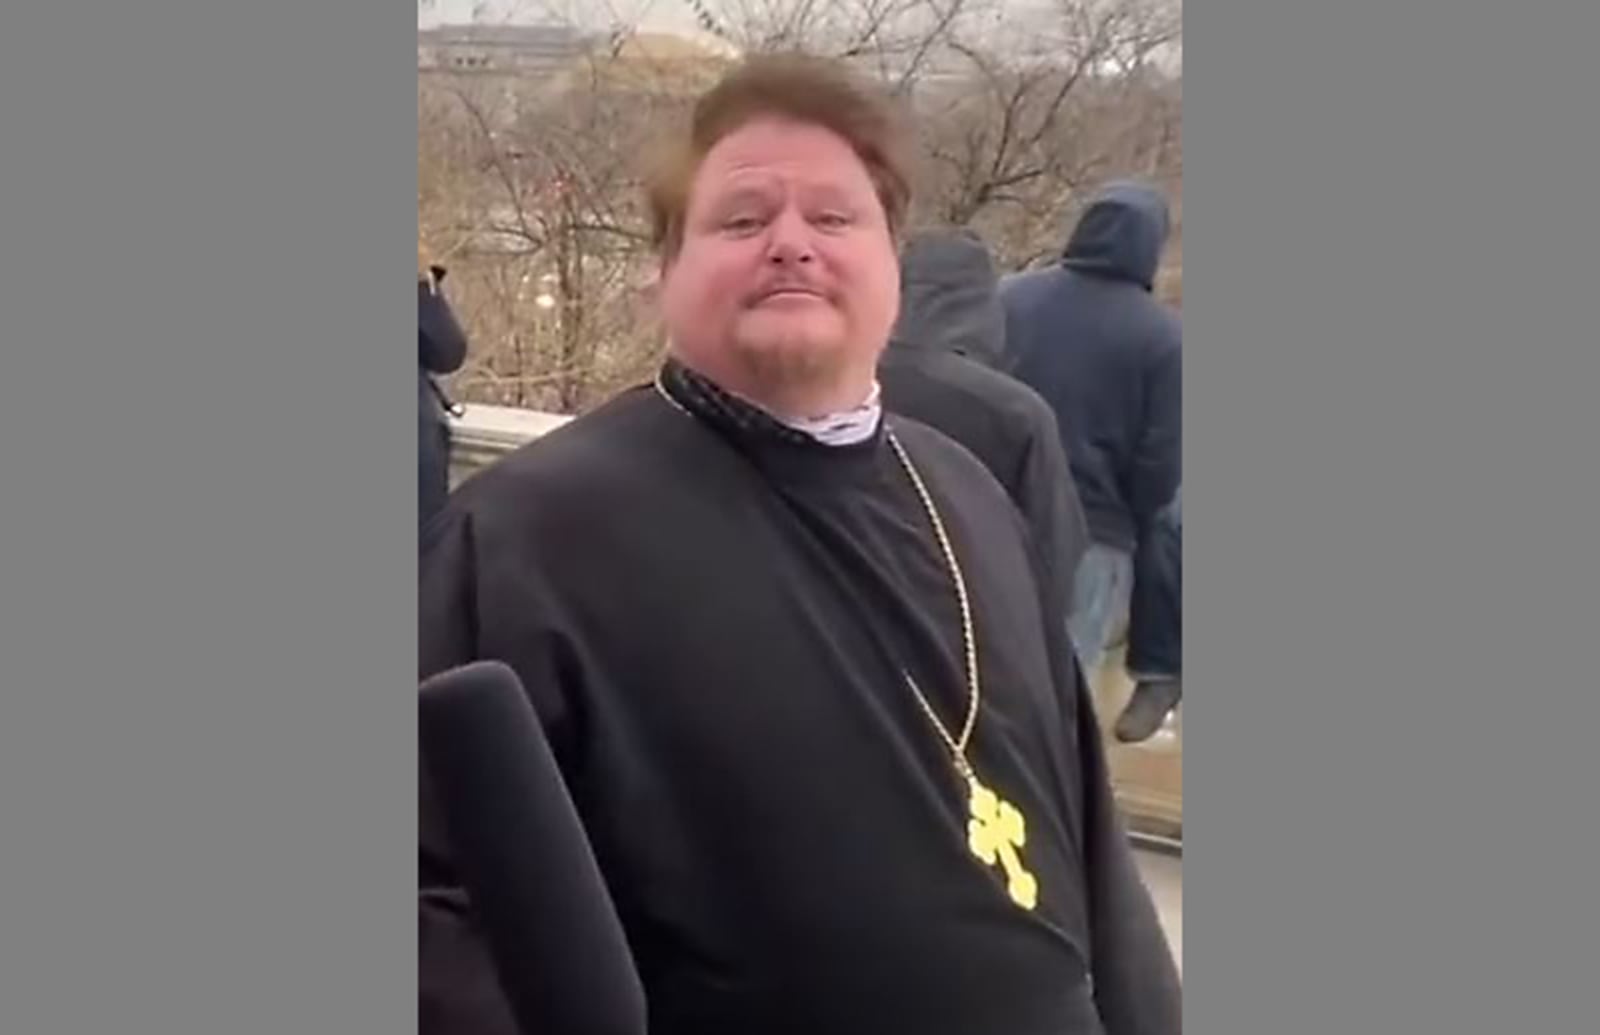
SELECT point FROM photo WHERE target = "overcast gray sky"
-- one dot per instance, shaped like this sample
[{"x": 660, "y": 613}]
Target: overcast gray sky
[
  {"x": 668, "y": 15},
  {"x": 1020, "y": 24}
]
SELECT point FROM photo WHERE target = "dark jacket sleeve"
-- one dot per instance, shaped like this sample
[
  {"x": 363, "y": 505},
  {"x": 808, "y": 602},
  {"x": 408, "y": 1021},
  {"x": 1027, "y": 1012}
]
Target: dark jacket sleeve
[
  {"x": 460, "y": 620},
  {"x": 441, "y": 343},
  {"x": 1158, "y": 463},
  {"x": 459, "y": 992}
]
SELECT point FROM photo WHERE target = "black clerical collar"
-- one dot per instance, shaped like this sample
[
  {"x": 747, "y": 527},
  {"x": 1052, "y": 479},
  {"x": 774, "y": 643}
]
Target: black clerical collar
[
  {"x": 708, "y": 400},
  {"x": 705, "y": 399},
  {"x": 756, "y": 431}
]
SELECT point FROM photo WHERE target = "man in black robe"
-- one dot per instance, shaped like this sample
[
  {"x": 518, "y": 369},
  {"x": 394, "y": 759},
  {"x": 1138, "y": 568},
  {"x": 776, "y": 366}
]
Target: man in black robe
[{"x": 824, "y": 731}]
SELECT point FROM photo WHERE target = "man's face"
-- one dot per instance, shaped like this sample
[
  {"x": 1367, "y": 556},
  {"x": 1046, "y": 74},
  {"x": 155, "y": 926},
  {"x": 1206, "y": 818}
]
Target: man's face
[{"x": 786, "y": 284}]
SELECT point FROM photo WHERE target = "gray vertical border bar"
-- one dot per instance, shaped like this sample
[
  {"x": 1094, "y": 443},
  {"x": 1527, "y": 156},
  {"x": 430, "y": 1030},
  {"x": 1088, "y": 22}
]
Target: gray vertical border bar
[
  {"x": 1391, "y": 434},
  {"x": 207, "y": 568},
  {"x": 206, "y": 597}
]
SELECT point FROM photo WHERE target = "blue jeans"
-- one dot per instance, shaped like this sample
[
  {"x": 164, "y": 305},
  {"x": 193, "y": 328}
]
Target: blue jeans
[
  {"x": 1100, "y": 596},
  {"x": 1155, "y": 622}
]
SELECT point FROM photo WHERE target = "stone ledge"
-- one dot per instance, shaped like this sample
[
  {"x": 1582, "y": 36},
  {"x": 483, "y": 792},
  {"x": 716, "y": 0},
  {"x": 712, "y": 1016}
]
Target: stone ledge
[{"x": 484, "y": 434}]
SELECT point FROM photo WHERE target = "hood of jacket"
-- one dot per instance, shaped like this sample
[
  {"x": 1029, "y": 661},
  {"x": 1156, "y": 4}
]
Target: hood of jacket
[
  {"x": 949, "y": 297},
  {"x": 1121, "y": 234}
]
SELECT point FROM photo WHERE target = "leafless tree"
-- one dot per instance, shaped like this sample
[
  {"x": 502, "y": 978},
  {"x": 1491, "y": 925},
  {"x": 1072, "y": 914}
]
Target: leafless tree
[{"x": 528, "y": 186}]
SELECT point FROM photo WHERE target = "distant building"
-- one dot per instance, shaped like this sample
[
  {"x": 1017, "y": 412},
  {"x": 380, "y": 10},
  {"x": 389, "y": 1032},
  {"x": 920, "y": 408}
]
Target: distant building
[
  {"x": 523, "y": 50},
  {"x": 648, "y": 64}
]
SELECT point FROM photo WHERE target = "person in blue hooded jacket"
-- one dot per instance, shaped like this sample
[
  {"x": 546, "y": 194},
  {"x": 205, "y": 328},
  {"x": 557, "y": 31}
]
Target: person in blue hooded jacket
[{"x": 1088, "y": 335}]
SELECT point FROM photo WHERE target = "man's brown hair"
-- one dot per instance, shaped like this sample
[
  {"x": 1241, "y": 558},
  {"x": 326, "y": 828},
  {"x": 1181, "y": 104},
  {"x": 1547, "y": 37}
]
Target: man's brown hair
[{"x": 801, "y": 88}]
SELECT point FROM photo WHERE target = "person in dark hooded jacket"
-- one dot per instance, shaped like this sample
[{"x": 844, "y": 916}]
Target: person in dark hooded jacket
[
  {"x": 941, "y": 368},
  {"x": 441, "y": 349},
  {"x": 1089, "y": 336}
]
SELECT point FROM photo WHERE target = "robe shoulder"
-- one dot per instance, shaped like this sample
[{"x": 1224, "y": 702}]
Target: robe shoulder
[
  {"x": 608, "y": 449},
  {"x": 952, "y": 469},
  {"x": 516, "y": 540}
]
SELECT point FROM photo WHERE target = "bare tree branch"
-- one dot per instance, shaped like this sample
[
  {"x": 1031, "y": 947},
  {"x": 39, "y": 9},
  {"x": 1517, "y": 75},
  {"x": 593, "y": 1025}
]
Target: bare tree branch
[{"x": 528, "y": 180}]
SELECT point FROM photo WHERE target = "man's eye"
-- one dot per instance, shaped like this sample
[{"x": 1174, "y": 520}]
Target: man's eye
[
  {"x": 833, "y": 220},
  {"x": 741, "y": 225}
]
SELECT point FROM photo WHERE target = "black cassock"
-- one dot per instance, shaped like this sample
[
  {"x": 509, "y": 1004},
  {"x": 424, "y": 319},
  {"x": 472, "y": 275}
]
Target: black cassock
[{"x": 714, "y": 617}]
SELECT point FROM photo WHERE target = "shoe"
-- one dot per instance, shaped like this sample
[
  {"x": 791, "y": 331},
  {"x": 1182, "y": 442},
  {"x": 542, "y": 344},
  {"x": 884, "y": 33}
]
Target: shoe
[{"x": 1153, "y": 700}]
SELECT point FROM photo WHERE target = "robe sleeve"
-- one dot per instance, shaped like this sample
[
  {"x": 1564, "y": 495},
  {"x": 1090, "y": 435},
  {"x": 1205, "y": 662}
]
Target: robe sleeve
[
  {"x": 467, "y": 611},
  {"x": 1136, "y": 986}
]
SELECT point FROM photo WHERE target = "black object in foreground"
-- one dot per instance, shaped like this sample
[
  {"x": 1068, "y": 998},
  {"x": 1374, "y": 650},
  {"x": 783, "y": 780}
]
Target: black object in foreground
[{"x": 526, "y": 863}]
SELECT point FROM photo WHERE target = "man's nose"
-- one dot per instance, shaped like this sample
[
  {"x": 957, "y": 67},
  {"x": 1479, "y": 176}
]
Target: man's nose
[{"x": 789, "y": 241}]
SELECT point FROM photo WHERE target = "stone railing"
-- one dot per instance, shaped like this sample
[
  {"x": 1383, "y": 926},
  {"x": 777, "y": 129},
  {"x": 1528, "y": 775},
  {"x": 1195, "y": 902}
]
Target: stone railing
[{"x": 484, "y": 434}]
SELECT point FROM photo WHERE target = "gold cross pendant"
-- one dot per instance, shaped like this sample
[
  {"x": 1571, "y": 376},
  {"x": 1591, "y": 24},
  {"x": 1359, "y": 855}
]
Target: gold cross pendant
[{"x": 995, "y": 833}]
